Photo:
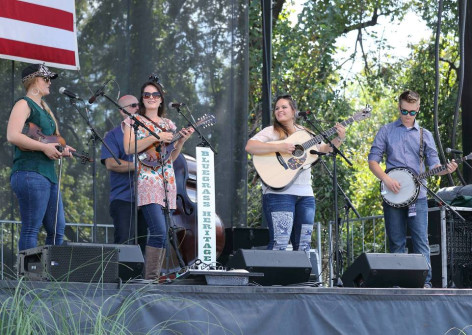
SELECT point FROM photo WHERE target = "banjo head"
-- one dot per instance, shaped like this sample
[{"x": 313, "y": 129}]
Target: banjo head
[{"x": 409, "y": 188}]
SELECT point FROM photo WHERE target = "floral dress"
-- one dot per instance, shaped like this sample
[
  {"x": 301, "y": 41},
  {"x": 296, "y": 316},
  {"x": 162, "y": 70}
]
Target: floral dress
[{"x": 150, "y": 179}]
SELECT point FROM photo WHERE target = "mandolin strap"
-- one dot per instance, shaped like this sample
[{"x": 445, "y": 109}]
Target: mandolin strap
[{"x": 154, "y": 123}]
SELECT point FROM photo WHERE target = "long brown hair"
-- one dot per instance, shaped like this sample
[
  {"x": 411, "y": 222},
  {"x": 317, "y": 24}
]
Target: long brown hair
[
  {"x": 162, "y": 108},
  {"x": 278, "y": 127}
]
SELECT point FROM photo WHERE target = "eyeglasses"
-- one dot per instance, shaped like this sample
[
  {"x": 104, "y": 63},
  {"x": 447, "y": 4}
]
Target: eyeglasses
[
  {"x": 132, "y": 105},
  {"x": 47, "y": 79},
  {"x": 405, "y": 112},
  {"x": 148, "y": 95}
]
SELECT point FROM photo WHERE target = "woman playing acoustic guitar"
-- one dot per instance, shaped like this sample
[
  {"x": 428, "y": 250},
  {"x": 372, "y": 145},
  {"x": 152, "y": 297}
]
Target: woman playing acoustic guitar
[
  {"x": 290, "y": 212},
  {"x": 151, "y": 191},
  {"x": 33, "y": 178}
]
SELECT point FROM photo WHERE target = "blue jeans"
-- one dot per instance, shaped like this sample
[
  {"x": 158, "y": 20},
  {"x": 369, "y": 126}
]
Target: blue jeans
[
  {"x": 37, "y": 197},
  {"x": 289, "y": 217},
  {"x": 396, "y": 223},
  {"x": 156, "y": 222},
  {"x": 122, "y": 213}
]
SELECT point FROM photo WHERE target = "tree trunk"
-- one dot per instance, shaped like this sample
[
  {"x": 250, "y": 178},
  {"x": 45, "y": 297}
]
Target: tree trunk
[{"x": 466, "y": 99}]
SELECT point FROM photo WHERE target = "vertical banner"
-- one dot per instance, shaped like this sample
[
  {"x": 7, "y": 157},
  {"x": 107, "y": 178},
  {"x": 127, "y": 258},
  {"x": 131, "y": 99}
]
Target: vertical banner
[
  {"x": 206, "y": 206},
  {"x": 37, "y": 31}
]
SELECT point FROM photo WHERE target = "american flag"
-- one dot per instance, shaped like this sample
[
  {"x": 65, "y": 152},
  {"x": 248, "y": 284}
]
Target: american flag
[{"x": 37, "y": 31}]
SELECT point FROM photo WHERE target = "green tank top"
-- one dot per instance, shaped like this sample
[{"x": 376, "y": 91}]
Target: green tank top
[{"x": 36, "y": 161}]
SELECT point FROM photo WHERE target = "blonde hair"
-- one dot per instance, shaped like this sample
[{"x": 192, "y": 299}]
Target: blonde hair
[{"x": 27, "y": 84}]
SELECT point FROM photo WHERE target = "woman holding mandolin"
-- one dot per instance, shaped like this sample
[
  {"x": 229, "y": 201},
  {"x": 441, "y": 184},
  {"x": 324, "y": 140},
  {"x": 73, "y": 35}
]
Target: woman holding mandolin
[
  {"x": 33, "y": 177},
  {"x": 156, "y": 185},
  {"x": 289, "y": 212}
]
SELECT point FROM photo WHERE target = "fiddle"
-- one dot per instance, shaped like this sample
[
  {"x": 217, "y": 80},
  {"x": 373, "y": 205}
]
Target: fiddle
[{"x": 34, "y": 132}]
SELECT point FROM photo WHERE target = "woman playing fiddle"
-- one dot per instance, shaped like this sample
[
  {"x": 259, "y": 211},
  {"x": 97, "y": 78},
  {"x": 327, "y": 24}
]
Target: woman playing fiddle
[
  {"x": 151, "y": 193},
  {"x": 33, "y": 177}
]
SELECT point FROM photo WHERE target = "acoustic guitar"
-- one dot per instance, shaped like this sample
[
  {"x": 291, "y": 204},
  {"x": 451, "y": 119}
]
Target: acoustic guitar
[
  {"x": 278, "y": 170},
  {"x": 153, "y": 155}
]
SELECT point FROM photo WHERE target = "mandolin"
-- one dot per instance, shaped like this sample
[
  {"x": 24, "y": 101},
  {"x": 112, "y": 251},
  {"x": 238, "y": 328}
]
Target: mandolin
[
  {"x": 34, "y": 132},
  {"x": 153, "y": 155}
]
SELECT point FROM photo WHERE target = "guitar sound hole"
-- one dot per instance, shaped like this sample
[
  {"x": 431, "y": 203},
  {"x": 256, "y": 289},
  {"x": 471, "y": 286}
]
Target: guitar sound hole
[{"x": 299, "y": 151}]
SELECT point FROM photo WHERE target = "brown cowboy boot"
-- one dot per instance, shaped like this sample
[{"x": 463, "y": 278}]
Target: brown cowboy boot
[{"x": 153, "y": 262}]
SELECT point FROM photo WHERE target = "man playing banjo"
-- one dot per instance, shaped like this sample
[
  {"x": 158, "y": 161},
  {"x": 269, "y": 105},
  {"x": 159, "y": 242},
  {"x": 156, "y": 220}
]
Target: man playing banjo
[{"x": 408, "y": 148}]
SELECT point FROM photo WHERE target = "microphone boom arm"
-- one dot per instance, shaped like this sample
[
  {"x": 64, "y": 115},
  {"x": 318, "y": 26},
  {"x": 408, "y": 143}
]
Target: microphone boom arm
[{"x": 192, "y": 124}]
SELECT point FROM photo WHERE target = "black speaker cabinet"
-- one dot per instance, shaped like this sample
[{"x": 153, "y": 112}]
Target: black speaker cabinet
[
  {"x": 130, "y": 258},
  {"x": 243, "y": 238},
  {"x": 70, "y": 263},
  {"x": 386, "y": 270},
  {"x": 279, "y": 267}
]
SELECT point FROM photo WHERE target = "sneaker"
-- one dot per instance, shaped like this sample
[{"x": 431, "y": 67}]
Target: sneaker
[{"x": 427, "y": 285}]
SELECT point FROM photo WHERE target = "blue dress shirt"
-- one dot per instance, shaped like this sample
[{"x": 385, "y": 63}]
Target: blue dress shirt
[{"x": 401, "y": 145}]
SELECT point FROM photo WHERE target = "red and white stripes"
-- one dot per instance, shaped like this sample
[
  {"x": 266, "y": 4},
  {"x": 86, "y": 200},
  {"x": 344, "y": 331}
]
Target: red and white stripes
[{"x": 39, "y": 31}]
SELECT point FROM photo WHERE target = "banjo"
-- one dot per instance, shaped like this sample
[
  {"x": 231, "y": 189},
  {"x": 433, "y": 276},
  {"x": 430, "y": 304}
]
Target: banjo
[{"x": 409, "y": 184}]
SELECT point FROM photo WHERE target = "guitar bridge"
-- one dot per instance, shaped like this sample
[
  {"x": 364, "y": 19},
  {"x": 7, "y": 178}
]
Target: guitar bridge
[{"x": 281, "y": 160}]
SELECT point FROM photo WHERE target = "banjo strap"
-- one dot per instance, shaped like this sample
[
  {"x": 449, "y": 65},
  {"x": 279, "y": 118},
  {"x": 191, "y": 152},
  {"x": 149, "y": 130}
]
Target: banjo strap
[{"x": 421, "y": 148}]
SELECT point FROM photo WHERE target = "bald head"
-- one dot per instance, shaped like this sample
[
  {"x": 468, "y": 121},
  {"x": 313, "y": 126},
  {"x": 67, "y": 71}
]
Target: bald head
[{"x": 127, "y": 100}]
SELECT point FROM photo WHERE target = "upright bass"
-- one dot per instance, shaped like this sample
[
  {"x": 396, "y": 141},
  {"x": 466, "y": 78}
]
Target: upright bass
[{"x": 184, "y": 218}]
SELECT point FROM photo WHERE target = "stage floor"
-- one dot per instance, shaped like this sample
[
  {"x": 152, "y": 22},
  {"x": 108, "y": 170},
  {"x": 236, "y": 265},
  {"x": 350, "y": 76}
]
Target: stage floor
[{"x": 186, "y": 308}]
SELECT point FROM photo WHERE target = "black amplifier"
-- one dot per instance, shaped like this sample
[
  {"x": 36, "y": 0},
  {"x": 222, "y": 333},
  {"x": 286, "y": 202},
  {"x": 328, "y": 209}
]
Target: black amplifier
[{"x": 97, "y": 263}]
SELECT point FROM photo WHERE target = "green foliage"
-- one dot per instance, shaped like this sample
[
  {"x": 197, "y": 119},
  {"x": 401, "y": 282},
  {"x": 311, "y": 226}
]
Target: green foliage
[
  {"x": 305, "y": 67},
  {"x": 196, "y": 48}
]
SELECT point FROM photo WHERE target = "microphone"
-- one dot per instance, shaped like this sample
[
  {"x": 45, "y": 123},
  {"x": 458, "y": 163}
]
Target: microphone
[
  {"x": 300, "y": 114},
  {"x": 70, "y": 94},
  {"x": 98, "y": 92},
  {"x": 453, "y": 151},
  {"x": 176, "y": 104}
]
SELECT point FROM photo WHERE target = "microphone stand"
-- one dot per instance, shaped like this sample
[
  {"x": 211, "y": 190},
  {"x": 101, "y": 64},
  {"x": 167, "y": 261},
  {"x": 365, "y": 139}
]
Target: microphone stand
[
  {"x": 337, "y": 280},
  {"x": 204, "y": 142},
  {"x": 136, "y": 125},
  {"x": 448, "y": 207},
  {"x": 459, "y": 174},
  {"x": 170, "y": 228},
  {"x": 347, "y": 205},
  {"x": 93, "y": 138}
]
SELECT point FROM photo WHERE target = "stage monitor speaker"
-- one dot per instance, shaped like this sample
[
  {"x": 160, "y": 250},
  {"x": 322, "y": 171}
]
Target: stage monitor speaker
[
  {"x": 243, "y": 238},
  {"x": 70, "y": 263},
  {"x": 279, "y": 267},
  {"x": 130, "y": 259},
  {"x": 386, "y": 270}
]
